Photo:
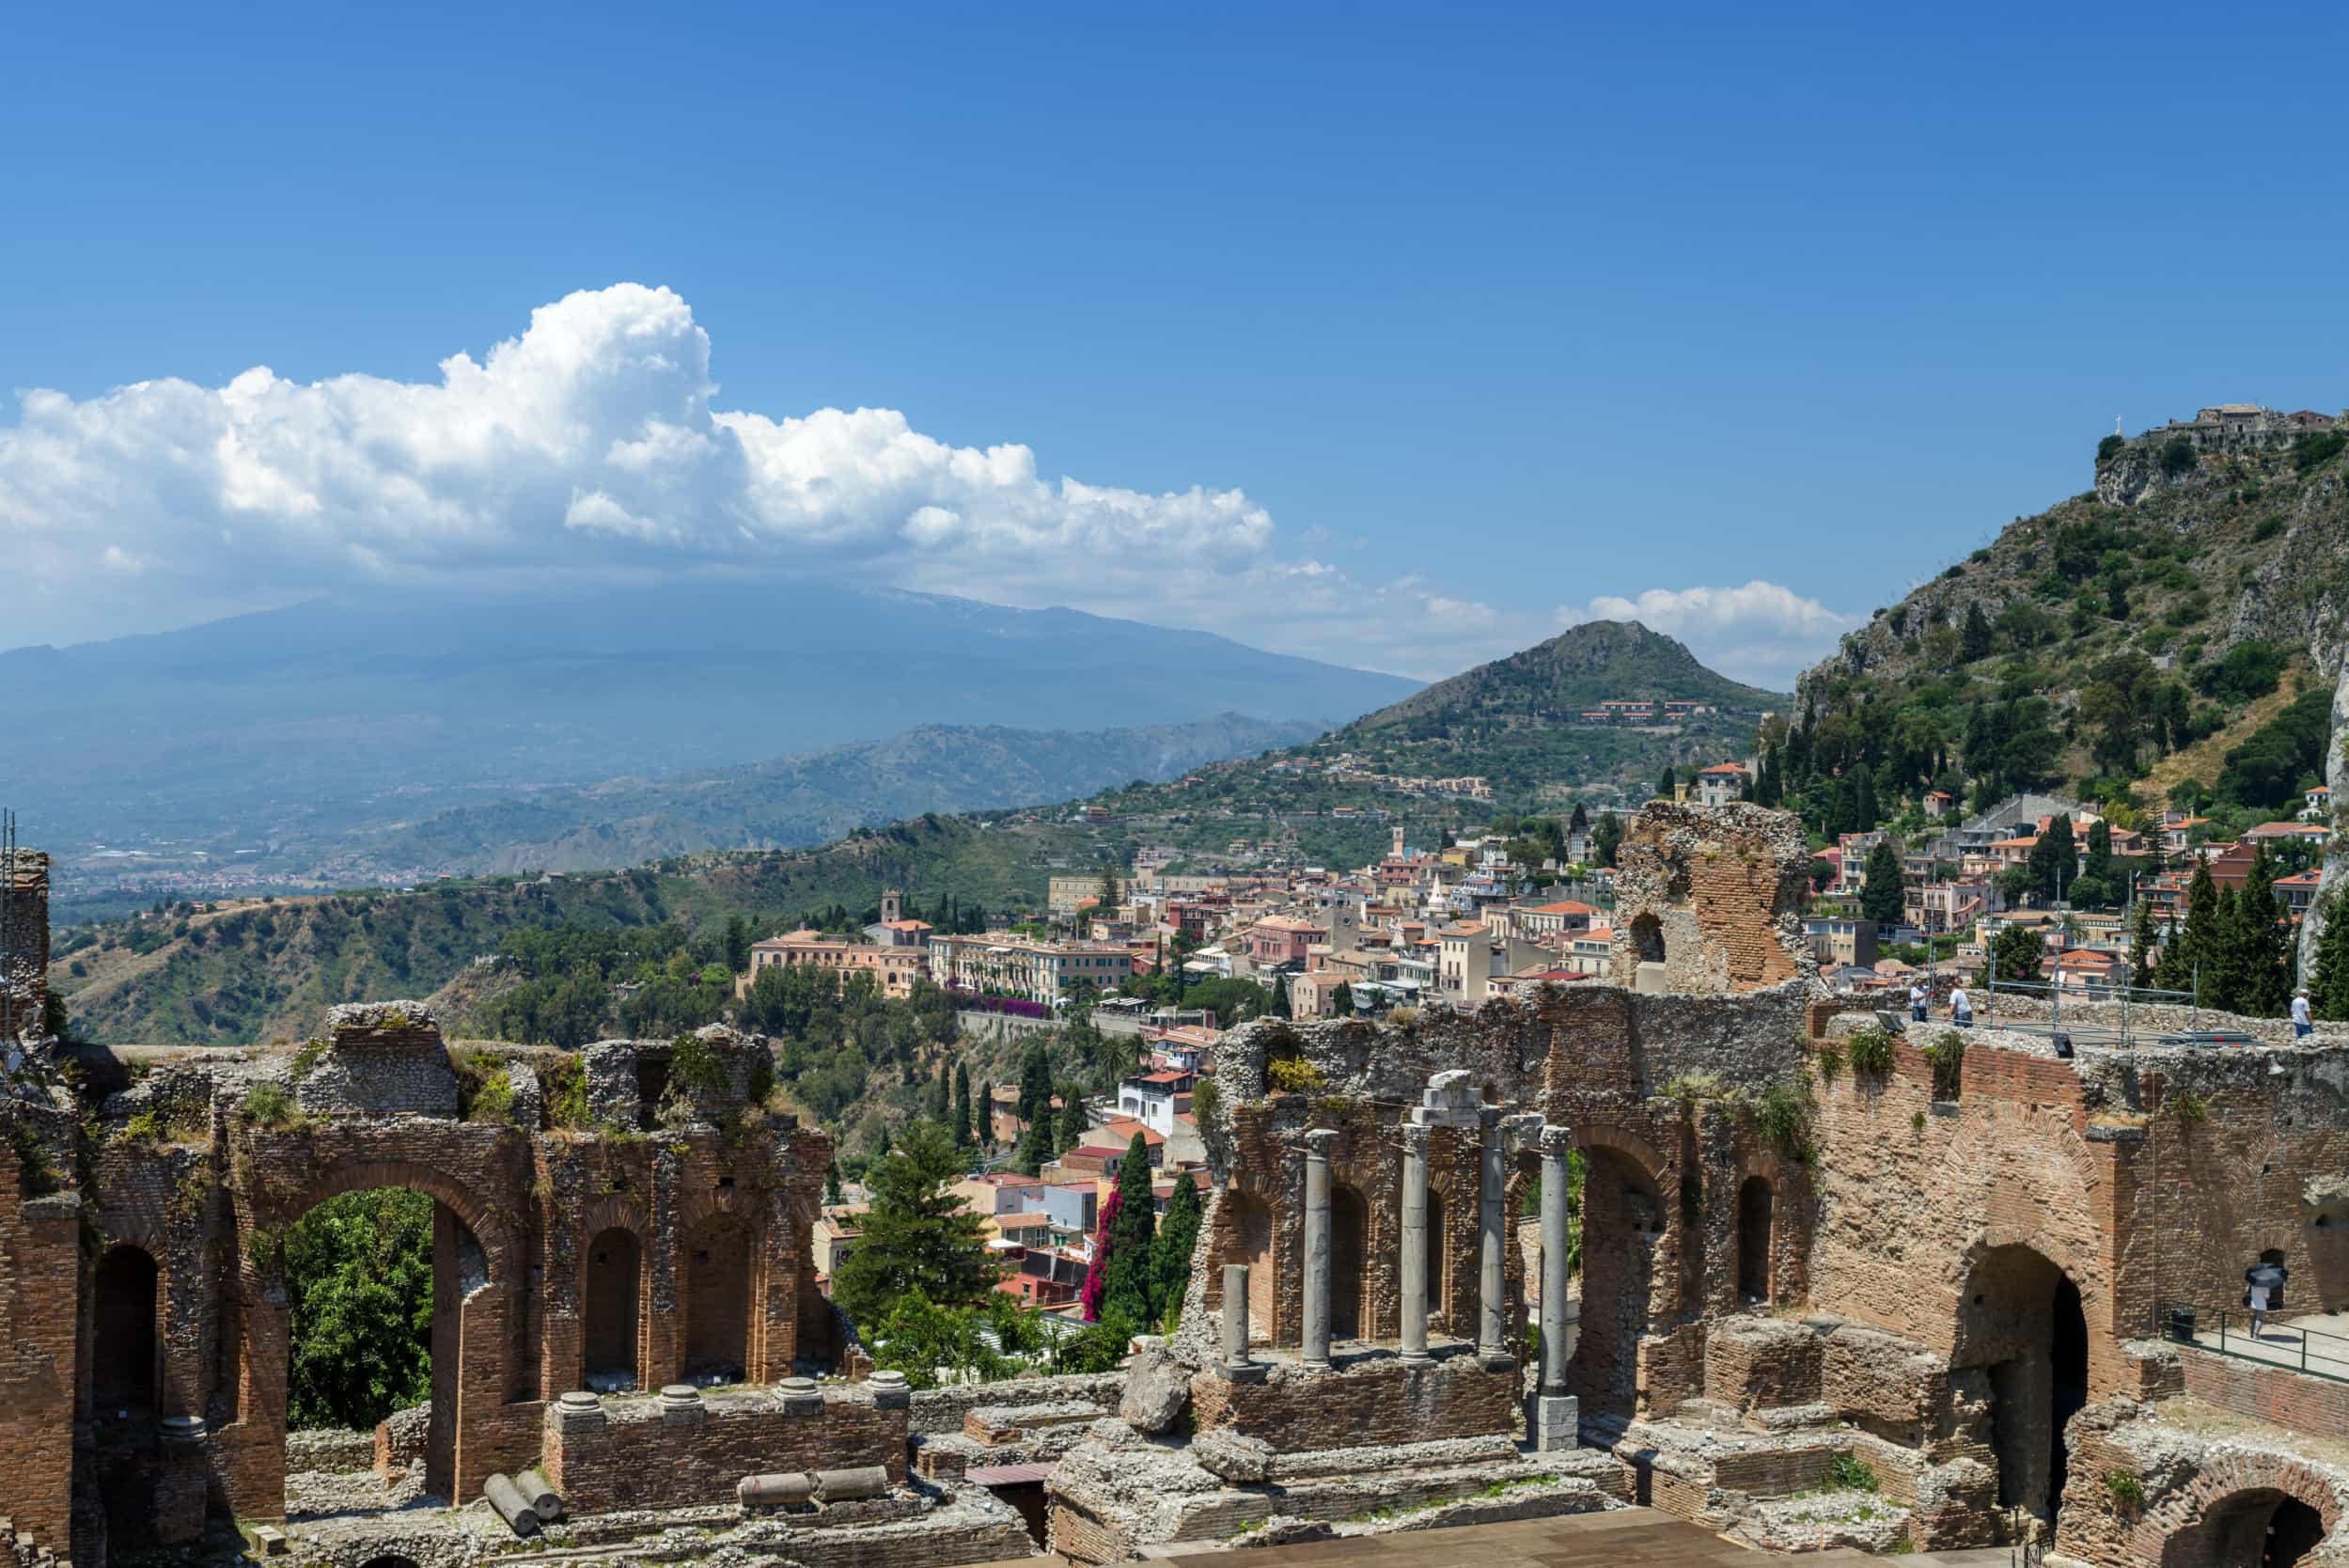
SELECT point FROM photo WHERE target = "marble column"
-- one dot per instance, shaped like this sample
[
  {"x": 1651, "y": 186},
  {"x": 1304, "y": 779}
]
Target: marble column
[
  {"x": 1413, "y": 1270},
  {"x": 1317, "y": 1246},
  {"x": 1556, "y": 1413},
  {"x": 1492, "y": 1248}
]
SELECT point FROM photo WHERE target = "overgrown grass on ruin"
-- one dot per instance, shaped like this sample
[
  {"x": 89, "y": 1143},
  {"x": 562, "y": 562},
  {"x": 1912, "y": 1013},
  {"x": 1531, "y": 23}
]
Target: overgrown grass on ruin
[{"x": 1869, "y": 1050}]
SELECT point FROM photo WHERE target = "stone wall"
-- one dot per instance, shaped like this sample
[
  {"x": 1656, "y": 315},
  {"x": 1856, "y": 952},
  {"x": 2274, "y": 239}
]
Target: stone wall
[
  {"x": 24, "y": 961},
  {"x": 1708, "y": 899},
  {"x": 1372, "y": 1398},
  {"x": 658, "y": 1450}
]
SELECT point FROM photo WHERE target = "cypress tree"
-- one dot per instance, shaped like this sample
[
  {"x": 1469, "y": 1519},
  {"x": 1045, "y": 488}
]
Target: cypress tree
[
  {"x": 2192, "y": 947},
  {"x": 1129, "y": 1278},
  {"x": 2328, "y": 983},
  {"x": 1880, "y": 900},
  {"x": 1071, "y": 1120},
  {"x": 1035, "y": 1085},
  {"x": 1973, "y": 641},
  {"x": 959, "y": 1117},
  {"x": 1178, "y": 1238},
  {"x": 2226, "y": 961},
  {"x": 1864, "y": 813},
  {"x": 1664, "y": 785},
  {"x": 2141, "y": 947},
  {"x": 2266, "y": 942}
]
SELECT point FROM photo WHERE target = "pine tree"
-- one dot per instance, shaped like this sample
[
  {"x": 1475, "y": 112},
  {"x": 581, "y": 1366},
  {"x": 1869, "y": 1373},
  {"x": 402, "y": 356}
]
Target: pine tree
[
  {"x": 1178, "y": 1238},
  {"x": 919, "y": 1236},
  {"x": 1880, "y": 899},
  {"x": 1129, "y": 1277}
]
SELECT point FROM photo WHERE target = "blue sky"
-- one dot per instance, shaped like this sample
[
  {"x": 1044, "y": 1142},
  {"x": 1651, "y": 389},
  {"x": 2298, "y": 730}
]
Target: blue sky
[{"x": 1395, "y": 335}]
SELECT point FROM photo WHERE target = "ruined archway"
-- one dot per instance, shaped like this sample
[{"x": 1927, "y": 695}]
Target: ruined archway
[
  {"x": 1349, "y": 1250},
  {"x": 471, "y": 1360},
  {"x": 2022, "y": 1320},
  {"x": 1753, "y": 1241},
  {"x": 1244, "y": 1221},
  {"x": 124, "y": 1349},
  {"x": 2260, "y": 1527},
  {"x": 718, "y": 1299},
  {"x": 610, "y": 1295},
  {"x": 1622, "y": 1226}
]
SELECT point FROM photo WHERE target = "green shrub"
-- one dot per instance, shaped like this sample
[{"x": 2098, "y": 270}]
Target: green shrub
[
  {"x": 2316, "y": 449},
  {"x": 269, "y": 1103},
  {"x": 1948, "y": 1055},
  {"x": 2109, "y": 447},
  {"x": 2191, "y": 1107},
  {"x": 1290, "y": 1075},
  {"x": 1783, "y": 1117},
  {"x": 1869, "y": 1050},
  {"x": 697, "y": 1069},
  {"x": 1830, "y": 1058},
  {"x": 2127, "y": 1488},
  {"x": 1848, "y": 1472},
  {"x": 566, "y": 1081},
  {"x": 485, "y": 1087},
  {"x": 2177, "y": 457}
]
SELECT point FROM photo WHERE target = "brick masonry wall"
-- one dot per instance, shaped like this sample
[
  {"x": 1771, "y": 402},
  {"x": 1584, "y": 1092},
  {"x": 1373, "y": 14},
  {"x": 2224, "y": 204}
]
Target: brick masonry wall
[
  {"x": 2287, "y": 1399},
  {"x": 40, "y": 1243},
  {"x": 636, "y": 1452}
]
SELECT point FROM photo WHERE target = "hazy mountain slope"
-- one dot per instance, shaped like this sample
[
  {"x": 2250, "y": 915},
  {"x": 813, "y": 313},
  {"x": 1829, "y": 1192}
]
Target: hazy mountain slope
[
  {"x": 250, "y": 734},
  {"x": 793, "y": 801}
]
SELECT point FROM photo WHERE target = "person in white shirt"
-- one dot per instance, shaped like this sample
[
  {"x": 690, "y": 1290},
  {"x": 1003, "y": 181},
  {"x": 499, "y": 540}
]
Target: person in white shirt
[
  {"x": 2301, "y": 1021},
  {"x": 1961, "y": 1009},
  {"x": 1918, "y": 998}
]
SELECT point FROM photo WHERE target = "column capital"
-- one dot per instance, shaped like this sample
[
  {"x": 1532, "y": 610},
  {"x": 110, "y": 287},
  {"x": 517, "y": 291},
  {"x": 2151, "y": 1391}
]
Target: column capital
[
  {"x": 1416, "y": 1137},
  {"x": 1556, "y": 1140},
  {"x": 1317, "y": 1142}
]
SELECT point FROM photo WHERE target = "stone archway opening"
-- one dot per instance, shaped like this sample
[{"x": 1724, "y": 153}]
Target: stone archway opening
[
  {"x": 2260, "y": 1527},
  {"x": 1247, "y": 1224},
  {"x": 124, "y": 1351},
  {"x": 1622, "y": 1223},
  {"x": 2021, "y": 1318},
  {"x": 375, "y": 1283},
  {"x": 611, "y": 1294},
  {"x": 1349, "y": 1249},
  {"x": 717, "y": 1300},
  {"x": 1753, "y": 1241}
]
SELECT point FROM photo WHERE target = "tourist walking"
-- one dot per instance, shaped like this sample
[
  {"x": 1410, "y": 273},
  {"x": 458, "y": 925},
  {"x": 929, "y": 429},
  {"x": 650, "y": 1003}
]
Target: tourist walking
[
  {"x": 1918, "y": 1000},
  {"x": 2301, "y": 1023},
  {"x": 1961, "y": 1009}
]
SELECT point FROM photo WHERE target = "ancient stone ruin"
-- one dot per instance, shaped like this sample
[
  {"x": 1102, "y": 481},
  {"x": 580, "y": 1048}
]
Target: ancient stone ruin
[{"x": 1837, "y": 1284}]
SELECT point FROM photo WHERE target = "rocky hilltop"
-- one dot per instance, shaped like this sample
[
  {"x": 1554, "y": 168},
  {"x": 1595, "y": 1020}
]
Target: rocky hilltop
[{"x": 2177, "y": 552}]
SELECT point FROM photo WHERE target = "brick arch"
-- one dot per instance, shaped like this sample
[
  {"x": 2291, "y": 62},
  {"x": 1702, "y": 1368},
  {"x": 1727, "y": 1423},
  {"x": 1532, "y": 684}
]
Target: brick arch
[
  {"x": 2186, "y": 1526},
  {"x": 1242, "y": 1232},
  {"x": 1627, "y": 1143},
  {"x": 340, "y": 1176},
  {"x": 616, "y": 1210}
]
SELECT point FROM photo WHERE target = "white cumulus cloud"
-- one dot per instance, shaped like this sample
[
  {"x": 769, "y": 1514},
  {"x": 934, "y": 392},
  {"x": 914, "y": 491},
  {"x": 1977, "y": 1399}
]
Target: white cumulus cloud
[
  {"x": 1760, "y": 633},
  {"x": 590, "y": 447}
]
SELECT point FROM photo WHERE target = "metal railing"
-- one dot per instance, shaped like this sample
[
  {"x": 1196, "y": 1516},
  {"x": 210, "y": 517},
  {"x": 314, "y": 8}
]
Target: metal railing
[
  {"x": 2184, "y": 1324},
  {"x": 2092, "y": 1031}
]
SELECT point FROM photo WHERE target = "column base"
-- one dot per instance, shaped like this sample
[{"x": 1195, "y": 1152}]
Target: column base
[
  {"x": 1252, "y": 1371},
  {"x": 1557, "y": 1422},
  {"x": 1497, "y": 1361},
  {"x": 1418, "y": 1359},
  {"x": 1311, "y": 1365}
]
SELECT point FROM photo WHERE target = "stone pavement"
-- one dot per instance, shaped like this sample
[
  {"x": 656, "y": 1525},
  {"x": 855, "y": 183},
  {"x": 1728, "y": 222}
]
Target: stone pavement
[
  {"x": 2311, "y": 1342},
  {"x": 1624, "y": 1538}
]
